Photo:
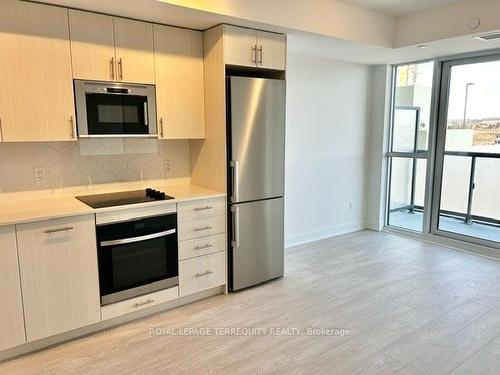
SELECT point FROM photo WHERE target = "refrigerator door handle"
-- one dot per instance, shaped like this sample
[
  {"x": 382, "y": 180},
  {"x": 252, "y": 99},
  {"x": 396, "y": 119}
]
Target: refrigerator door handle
[
  {"x": 236, "y": 190},
  {"x": 236, "y": 227}
]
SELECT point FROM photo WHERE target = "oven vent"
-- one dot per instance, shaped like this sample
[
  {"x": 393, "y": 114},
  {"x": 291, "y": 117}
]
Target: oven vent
[{"x": 489, "y": 37}]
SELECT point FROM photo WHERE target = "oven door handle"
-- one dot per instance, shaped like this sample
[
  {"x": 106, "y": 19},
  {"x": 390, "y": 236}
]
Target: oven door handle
[{"x": 123, "y": 241}]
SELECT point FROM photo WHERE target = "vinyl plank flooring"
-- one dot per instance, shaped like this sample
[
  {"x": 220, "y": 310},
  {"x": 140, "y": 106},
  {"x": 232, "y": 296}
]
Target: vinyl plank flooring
[{"x": 404, "y": 306}]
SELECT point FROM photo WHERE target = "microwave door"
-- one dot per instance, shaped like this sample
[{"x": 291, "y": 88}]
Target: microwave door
[{"x": 109, "y": 114}]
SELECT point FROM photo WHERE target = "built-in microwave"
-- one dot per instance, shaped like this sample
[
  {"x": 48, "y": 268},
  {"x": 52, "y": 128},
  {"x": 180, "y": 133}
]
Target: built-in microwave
[{"x": 108, "y": 109}]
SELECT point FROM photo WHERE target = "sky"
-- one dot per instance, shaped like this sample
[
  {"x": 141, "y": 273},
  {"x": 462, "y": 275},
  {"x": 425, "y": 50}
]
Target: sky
[{"x": 484, "y": 96}]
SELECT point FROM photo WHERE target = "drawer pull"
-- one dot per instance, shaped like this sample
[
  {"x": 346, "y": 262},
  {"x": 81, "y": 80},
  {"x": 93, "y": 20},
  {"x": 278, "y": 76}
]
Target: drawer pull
[
  {"x": 208, "y": 227},
  {"x": 203, "y": 208},
  {"x": 63, "y": 229},
  {"x": 144, "y": 303},
  {"x": 206, "y": 273},
  {"x": 203, "y": 247}
]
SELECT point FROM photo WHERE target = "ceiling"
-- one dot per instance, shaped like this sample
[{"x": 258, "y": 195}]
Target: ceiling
[
  {"x": 343, "y": 50},
  {"x": 399, "y": 7}
]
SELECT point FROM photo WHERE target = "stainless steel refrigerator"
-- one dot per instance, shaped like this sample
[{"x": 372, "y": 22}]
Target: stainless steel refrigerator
[{"x": 256, "y": 154}]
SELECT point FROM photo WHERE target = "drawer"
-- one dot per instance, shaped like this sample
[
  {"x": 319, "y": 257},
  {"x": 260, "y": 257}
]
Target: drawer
[
  {"x": 205, "y": 272},
  {"x": 201, "y": 208},
  {"x": 202, "y": 227},
  {"x": 124, "y": 214},
  {"x": 139, "y": 303},
  {"x": 202, "y": 246}
]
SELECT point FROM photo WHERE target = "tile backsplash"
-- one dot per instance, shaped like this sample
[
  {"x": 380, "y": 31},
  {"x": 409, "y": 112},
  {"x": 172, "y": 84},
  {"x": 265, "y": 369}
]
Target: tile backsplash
[{"x": 51, "y": 165}]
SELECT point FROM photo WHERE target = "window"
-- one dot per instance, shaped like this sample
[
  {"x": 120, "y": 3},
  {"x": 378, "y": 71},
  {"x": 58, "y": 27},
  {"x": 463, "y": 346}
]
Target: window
[
  {"x": 408, "y": 154},
  {"x": 464, "y": 203}
]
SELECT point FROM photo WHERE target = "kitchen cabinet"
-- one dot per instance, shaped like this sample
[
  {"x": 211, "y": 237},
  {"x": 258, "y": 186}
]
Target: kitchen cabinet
[
  {"x": 252, "y": 48},
  {"x": 240, "y": 46},
  {"x": 201, "y": 273},
  {"x": 58, "y": 263},
  {"x": 139, "y": 303},
  {"x": 134, "y": 51},
  {"x": 11, "y": 307},
  {"x": 179, "y": 83},
  {"x": 106, "y": 48},
  {"x": 271, "y": 50},
  {"x": 36, "y": 90},
  {"x": 92, "y": 46}
]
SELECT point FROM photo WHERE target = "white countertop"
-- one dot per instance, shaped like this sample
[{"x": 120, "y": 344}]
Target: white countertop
[{"x": 24, "y": 211}]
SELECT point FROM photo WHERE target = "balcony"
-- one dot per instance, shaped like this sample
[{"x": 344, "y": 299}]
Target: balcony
[{"x": 470, "y": 198}]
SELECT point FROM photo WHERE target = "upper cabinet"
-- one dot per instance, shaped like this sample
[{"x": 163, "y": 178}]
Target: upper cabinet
[
  {"x": 271, "y": 50},
  {"x": 179, "y": 83},
  {"x": 134, "y": 51},
  {"x": 252, "y": 48},
  {"x": 92, "y": 46},
  {"x": 109, "y": 48},
  {"x": 36, "y": 90},
  {"x": 240, "y": 46}
]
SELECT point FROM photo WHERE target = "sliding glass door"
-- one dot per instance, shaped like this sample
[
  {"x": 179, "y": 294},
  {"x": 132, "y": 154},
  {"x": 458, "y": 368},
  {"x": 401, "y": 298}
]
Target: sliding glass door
[{"x": 466, "y": 198}]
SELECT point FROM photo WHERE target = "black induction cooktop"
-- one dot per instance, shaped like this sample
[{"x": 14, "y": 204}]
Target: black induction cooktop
[{"x": 123, "y": 198}]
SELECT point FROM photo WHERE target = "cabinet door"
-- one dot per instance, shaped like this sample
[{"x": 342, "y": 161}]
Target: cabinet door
[
  {"x": 239, "y": 46},
  {"x": 58, "y": 262},
  {"x": 11, "y": 308},
  {"x": 179, "y": 82},
  {"x": 92, "y": 46},
  {"x": 271, "y": 50},
  {"x": 134, "y": 51},
  {"x": 36, "y": 90}
]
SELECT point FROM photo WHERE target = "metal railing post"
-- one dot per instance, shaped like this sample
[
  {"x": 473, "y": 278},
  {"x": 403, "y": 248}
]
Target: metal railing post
[{"x": 468, "y": 217}]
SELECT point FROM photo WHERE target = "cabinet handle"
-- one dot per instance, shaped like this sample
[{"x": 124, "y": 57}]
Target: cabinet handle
[
  {"x": 136, "y": 305},
  {"x": 207, "y": 246},
  {"x": 260, "y": 55},
  {"x": 1, "y": 130},
  {"x": 120, "y": 69},
  {"x": 203, "y": 208},
  {"x": 203, "y": 274},
  {"x": 63, "y": 229},
  {"x": 161, "y": 127},
  {"x": 208, "y": 227},
  {"x": 72, "y": 127},
  {"x": 254, "y": 55},
  {"x": 112, "y": 68}
]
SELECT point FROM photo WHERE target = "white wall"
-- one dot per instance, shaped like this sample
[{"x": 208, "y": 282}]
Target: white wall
[
  {"x": 327, "y": 112},
  {"x": 377, "y": 145}
]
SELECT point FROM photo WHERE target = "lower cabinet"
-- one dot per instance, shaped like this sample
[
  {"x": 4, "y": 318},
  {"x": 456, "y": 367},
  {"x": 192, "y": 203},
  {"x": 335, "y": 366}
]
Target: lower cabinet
[
  {"x": 58, "y": 262},
  {"x": 201, "y": 273},
  {"x": 139, "y": 303},
  {"x": 11, "y": 307}
]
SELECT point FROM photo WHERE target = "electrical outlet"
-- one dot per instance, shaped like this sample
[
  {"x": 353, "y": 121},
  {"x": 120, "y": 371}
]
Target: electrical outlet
[
  {"x": 168, "y": 166},
  {"x": 40, "y": 175}
]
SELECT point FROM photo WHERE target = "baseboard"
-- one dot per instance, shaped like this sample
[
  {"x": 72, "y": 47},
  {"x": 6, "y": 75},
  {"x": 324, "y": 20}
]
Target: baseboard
[{"x": 320, "y": 234}]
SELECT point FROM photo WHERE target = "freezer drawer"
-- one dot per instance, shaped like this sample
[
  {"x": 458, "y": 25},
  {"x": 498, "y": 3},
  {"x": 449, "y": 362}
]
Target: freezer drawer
[
  {"x": 257, "y": 124},
  {"x": 257, "y": 249}
]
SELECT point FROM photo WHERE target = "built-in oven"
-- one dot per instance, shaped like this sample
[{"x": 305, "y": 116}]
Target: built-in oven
[
  {"x": 137, "y": 257},
  {"x": 108, "y": 109}
]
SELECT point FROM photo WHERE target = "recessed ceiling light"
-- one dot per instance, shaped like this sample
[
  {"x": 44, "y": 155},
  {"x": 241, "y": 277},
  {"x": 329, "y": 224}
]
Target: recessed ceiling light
[{"x": 422, "y": 46}]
